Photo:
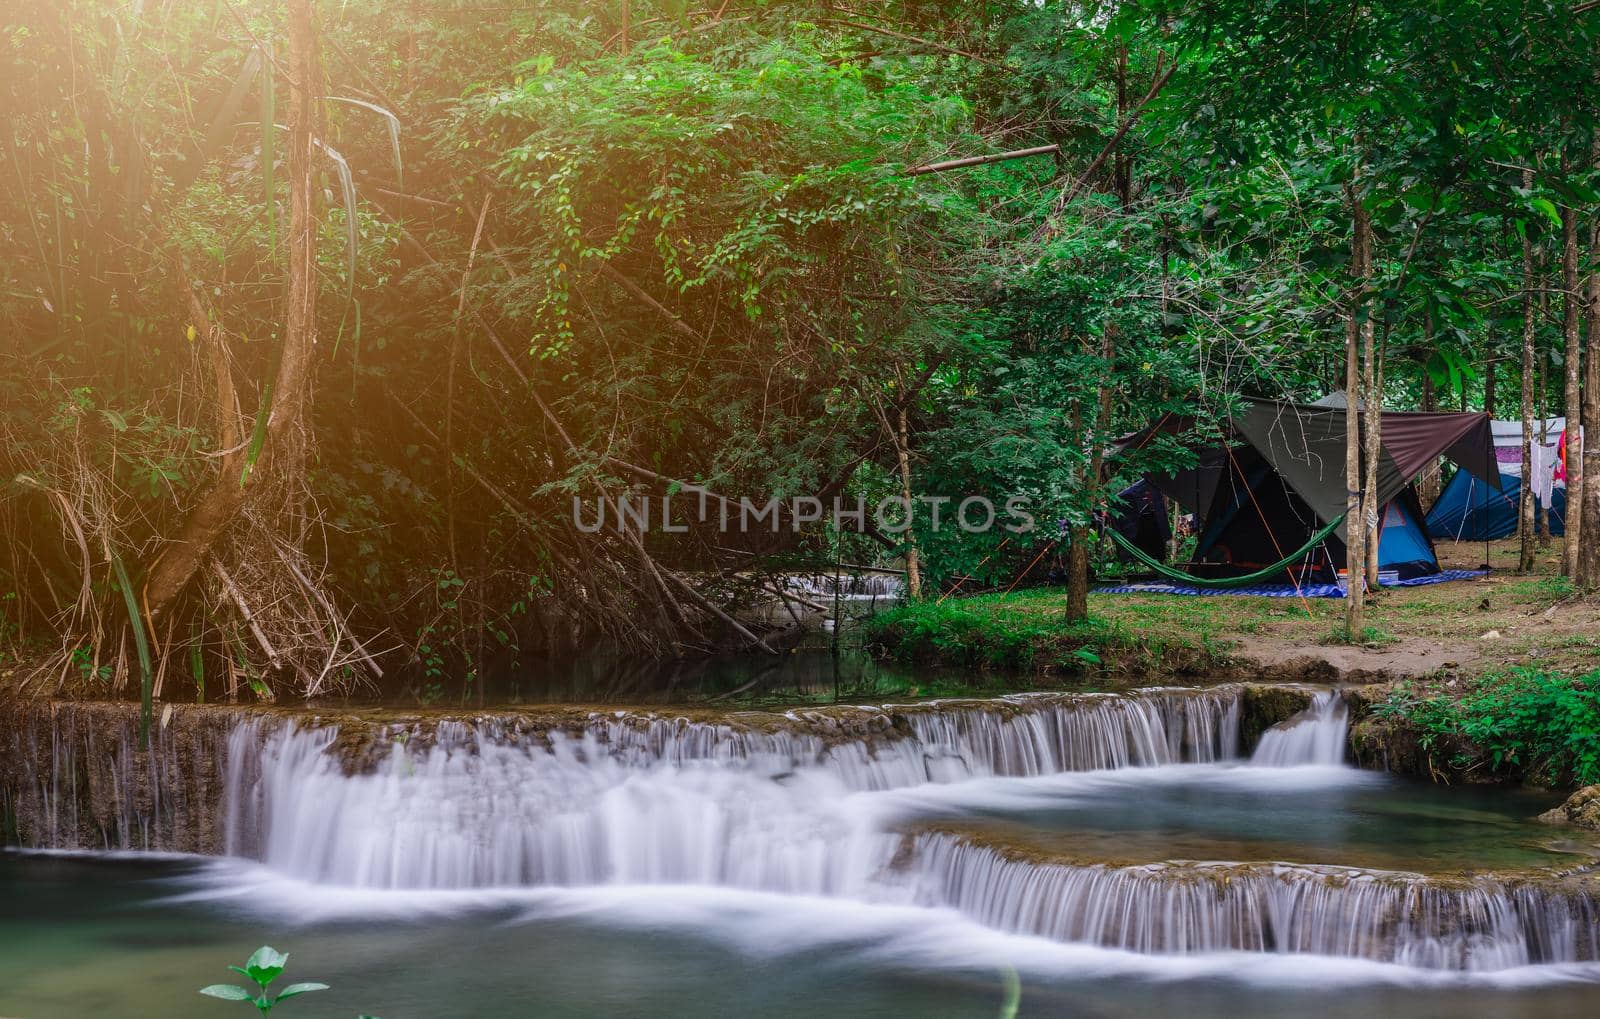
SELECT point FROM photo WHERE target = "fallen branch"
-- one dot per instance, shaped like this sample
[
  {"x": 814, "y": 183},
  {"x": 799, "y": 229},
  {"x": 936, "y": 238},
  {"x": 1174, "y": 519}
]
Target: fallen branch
[
  {"x": 706, "y": 603},
  {"x": 993, "y": 157},
  {"x": 244, "y": 611},
  {"x": 639, "y": 294}
]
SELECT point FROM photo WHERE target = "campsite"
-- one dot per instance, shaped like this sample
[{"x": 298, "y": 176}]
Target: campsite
[{"x": 793, "y": 508}]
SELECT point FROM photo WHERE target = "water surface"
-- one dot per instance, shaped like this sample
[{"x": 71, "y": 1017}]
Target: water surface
[{"x": 103, "y": 936}]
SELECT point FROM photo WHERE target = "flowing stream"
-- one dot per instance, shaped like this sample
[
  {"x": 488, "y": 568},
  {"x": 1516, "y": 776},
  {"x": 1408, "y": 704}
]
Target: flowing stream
[{"x": 1129, "y": 825}]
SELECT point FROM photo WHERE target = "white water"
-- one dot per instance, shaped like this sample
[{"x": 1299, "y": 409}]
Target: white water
[
  {"x": 1316, "y": 735},
  {"x": 1187, "y": 908},
  {"x": 847, "y": 586},
  {"x": 821, "y": 811},
  {"x": 668, "y": 800}
]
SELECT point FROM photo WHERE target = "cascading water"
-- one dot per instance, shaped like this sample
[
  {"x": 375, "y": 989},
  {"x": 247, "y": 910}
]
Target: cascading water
[
  {"x": 1316, "y": 735},
  {"x": 1186, "y": 908},
  {"x": 883, "y": 806},
  {"x": 670, "y": 800},
  {"x": 871, "y": 586},
  {"x": 810, "y": 809}
]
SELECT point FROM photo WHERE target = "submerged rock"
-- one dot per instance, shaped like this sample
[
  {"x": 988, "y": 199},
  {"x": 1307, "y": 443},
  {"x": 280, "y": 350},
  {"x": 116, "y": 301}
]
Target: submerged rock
[{"x": 1581, "y": 810}]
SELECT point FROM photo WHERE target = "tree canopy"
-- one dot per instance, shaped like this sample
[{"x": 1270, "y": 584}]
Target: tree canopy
[{"x": 553, "y": 252}]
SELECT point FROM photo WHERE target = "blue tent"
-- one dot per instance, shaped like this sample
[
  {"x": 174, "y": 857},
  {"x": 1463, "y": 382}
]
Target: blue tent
[
  {"x": 1255, "y": 516},
  {"x": 1403, "y": 543},
  {"x": 1469, "y": 510}
]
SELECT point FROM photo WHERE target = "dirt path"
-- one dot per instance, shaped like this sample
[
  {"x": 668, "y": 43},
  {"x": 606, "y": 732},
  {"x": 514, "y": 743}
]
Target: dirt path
[{"x": 1464, "y": 626}]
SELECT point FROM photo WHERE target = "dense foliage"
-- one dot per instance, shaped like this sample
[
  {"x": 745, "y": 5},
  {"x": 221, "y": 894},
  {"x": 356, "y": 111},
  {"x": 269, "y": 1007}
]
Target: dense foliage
[
  {"x": 572, "y": 251},
  {"x": 1522, "y": 723}
]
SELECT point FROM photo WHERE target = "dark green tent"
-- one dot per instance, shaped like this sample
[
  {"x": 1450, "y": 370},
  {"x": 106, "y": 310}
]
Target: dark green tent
[{"x": 1270, "y": 476}]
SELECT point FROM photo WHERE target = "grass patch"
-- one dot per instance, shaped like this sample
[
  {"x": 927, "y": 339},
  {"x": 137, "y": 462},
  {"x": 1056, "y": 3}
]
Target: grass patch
[
  {"x": 1518, "y": 723},
  {"x": 1028, "y": 631},
  {"x": 1371, "y": 636}
]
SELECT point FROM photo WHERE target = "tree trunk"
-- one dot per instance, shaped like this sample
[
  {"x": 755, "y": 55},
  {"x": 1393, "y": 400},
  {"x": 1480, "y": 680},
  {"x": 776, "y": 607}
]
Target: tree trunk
[
  {"x": 283, "y": 441},
  {"x": 1573, "y": 406},
  {"x": 1355, "y": 532},
  {"x": 1078, "y": 550},
  {"x": 1541, "y": 509},
  {"x": 1372, "y": 417},
  {"x": 1525, "y": 526},
  {"x": 1078, "y": 557},
  {"x": 1429, "y": 484},
  {"x": 1588, "y": 571},
  {"x": 902, "y": 452}
]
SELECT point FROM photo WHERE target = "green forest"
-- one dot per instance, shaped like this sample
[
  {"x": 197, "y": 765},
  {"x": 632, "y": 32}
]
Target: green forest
[
  {"x": 320, "y": 319},
  {"x": 792, "y": 508}
]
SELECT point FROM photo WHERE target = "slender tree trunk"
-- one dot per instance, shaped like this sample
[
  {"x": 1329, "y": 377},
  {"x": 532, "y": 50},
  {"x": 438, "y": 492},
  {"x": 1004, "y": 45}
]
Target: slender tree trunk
[
  {"x": 1573, "y": 405},
  {"x": 1078, "y": 550},
  {"x": 1429, "y": 484},
  {"x": 1355, "y": 531},
  {"x": 284, "y": 443},
  {"x": 1525, "y": 525},
  {"x": 1542, "y": 404},
  {"x": 1588, "y": 565},
  {"x": 902, "y": 452},
  {"x": 1372, "y": 400},
  {"x": 1094, "y": 463},
  {"x": 1489, "y": 401}
]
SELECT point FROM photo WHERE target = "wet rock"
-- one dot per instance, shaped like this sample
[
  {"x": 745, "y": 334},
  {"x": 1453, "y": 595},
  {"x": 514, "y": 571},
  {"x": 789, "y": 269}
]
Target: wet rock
[
  {"x": 1262, "y": 707},
  {"x": 1581, "y": 810}
]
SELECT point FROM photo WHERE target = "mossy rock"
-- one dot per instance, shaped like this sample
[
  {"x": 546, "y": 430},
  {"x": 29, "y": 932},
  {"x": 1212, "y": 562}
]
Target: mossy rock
[
  {"x": 1582, "y": 810},
  {"x": 1262, "y": 707}
]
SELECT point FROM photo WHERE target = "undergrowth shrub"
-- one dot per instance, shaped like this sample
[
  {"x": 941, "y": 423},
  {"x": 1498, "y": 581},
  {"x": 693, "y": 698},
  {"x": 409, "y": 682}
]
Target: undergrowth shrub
[
  {"x": 981, "y": 634},
  {"x": 1540, "y": 725}
]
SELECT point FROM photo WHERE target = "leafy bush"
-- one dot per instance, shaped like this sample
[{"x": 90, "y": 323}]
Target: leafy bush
[
  {"x": 1526, "y": 722},
  {"x": 992, "y": 633},
  {"x": 956, "y": 633}
]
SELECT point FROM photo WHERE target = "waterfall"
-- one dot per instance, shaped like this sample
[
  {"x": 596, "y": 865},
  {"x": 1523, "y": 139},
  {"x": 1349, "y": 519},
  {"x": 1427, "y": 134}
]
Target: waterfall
[
  {"x": 1189, "y": 908},
  {"x": 1316, "y": 735},
  {"x": 847, "y": 586},
  {"x": 642, "y": 798},
  {"x": 73, "y": 776},
  {"x": 874, "y": 805}
]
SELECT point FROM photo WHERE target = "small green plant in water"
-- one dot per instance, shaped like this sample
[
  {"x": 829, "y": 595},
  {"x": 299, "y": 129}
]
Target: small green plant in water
[{"x": 265, "y": 966}]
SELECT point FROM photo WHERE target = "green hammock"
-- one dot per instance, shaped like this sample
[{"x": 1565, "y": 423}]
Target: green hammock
[{"x": 1223, "y": 582}]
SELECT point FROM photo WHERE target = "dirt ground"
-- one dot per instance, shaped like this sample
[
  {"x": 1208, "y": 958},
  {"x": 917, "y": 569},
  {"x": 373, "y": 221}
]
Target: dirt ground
[{"x": 1466, "y": 626}]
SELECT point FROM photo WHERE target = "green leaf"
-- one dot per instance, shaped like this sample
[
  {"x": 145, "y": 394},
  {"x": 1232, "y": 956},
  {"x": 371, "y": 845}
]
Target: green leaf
[
  {"x": 1547, "y": 207},
  {"x": 258, "y": 434},
  {"x": 389, "y": 119},
  {"x": 266, "y": 964},
  {"x": 296, "y": 989},
  {"x": 347, "y": 191},
  {"x": 141, "y": 645},
  {"x": 227, "y": 992}
]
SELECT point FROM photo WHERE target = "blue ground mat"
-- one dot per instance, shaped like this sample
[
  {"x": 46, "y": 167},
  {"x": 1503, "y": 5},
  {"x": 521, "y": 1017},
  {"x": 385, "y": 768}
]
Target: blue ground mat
[{"x": 1280, "y": 590}]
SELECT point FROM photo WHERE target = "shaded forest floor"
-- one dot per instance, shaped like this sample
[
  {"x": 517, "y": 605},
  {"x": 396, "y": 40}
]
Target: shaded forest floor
[{"x": 1462, "y": 627}]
